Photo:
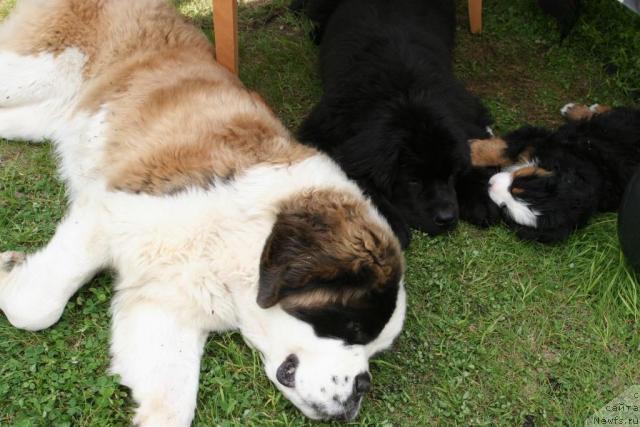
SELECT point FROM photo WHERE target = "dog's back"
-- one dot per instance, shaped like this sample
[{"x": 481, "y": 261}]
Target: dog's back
[
  {"x": 152, "y": 69},
  {"x": 392, "y": 113},
  {"x": 611, "y": 142}
]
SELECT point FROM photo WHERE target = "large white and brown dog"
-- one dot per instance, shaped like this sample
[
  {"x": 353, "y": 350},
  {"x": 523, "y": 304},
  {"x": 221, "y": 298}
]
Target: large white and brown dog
[{"x": 214, "y": 218}]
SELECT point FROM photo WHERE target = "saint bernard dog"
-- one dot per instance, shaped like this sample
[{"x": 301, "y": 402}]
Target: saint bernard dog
[{"x": 213, "y": 216}]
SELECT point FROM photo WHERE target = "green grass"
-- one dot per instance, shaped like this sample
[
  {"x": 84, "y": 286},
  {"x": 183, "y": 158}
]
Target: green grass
[{"x": 498, "y": 331}]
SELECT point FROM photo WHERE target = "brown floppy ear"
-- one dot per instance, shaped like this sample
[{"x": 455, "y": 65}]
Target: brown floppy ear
[
  {"x": 323, "y": 243},
  {"x": 290, "y": 256}
]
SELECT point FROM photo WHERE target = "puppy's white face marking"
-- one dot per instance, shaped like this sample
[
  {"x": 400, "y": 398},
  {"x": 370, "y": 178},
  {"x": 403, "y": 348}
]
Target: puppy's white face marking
[
  {"x": 499, "y": 188},
  {"x": 518, "y": 211},
  {"x": 322, "y": 371}
]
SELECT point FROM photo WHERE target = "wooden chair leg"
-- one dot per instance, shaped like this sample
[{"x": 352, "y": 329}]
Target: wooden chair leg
[
  {"x": 475, "y": 16},
  {"x": 225, "y": 27}
]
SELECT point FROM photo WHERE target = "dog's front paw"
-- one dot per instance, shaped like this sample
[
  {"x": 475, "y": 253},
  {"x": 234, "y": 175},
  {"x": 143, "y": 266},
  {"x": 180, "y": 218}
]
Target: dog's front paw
[
  {"x": 483, "y": 213},
  {"x": 575, "y": 112},
  {"x": 10, "y": 259},
  {"x": 599, "y": 108}
]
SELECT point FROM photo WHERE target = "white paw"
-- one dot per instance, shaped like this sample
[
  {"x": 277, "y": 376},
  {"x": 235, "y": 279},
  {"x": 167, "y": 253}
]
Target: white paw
[
  {"x": 490, "y": 131},
  {"x": 594, "y": 108},
  {"x": 567, "y": 108}
]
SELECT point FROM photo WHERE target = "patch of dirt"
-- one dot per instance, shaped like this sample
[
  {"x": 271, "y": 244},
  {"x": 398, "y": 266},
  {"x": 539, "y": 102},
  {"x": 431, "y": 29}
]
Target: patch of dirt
[
  {"x": 514, "y": 74},
  {"x": 262, "y": 13}
]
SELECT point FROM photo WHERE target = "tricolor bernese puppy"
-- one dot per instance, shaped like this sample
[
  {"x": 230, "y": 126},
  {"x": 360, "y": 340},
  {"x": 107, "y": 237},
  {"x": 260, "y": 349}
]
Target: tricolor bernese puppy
[
  {"x": 212, "y": 215},
  {"x": 393, "y": 115},
  {"x": 553, "y": 181}
]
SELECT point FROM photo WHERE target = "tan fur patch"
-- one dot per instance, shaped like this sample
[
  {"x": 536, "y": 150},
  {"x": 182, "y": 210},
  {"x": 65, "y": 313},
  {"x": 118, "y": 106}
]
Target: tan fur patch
[
  {"x": 178, "y": 148},
  {"x": 106, "y": 31},
  {"x": 579, "y": 112},
  {"x": 531, "y": 171},
  {"x": 601, "y": 109},
  {"x": 489, "y": 152},
  {"x": 516, "y": 190},
  {"x": 324, "y": 297},
  {"x": 526, "y": 155},
  {"x": 54, "y": 26}
]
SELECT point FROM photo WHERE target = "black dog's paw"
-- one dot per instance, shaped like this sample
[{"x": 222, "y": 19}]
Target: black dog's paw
[
  {"x": 476, "y": 207},
  {"x": 482, "y": 213}
]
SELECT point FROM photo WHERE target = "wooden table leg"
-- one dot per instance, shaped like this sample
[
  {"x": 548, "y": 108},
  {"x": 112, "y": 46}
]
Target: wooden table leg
[
  {"x": 225, "y": 27},
  {"x": 475, "y": 16}
]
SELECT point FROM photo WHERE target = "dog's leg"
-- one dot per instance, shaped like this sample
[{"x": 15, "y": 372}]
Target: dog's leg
[
  {"x": 476, "y": 207},
  {"x": 576, "y": 112},
  {"x": 34, "y": 289},
  {"x": 600, "y": 108},
  {"x": 158, "y": 357}
]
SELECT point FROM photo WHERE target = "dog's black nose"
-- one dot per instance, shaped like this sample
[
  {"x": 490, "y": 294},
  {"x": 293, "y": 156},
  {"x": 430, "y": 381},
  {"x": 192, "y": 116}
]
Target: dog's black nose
[
  {"x": 362, "y": 383},
  {"x": 445, "y": 217}
]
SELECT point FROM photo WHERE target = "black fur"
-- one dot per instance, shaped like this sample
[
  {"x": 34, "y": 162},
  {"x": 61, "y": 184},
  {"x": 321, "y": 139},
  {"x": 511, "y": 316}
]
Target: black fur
[
  {"x": 354, "y": 325},
  {"x": 393, "y": 115},
  {"x": 591, "y": 163},
  {"x": 565, "y": 12}
]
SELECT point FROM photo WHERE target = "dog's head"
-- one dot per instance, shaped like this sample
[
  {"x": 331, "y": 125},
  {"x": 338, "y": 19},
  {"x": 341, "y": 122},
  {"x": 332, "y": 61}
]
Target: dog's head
[
  {"x": 433, "y": 153},
  {"x": 330, "y": 296},
  {"x": 544, "y": 204}
]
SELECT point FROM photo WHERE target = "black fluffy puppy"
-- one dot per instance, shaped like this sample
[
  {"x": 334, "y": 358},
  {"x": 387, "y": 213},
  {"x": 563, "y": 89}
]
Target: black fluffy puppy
[
  {"x": 393, "y": 115},
  {"x": 554, "y": 181}
]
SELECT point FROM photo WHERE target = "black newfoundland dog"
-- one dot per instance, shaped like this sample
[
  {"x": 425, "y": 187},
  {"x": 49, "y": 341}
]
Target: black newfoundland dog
[{"x": 394, "y": 116}]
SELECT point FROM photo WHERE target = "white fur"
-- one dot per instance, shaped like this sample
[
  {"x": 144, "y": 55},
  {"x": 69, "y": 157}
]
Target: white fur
[
  {"x": 34, "y": 294},
  {"x": 187, "y": 264},
  {"x": 517, "y": 210},
  {"x": 594, "y": 108},
  {"x": 568, "y": 107},
  {"x": 37, "y": 93}
]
